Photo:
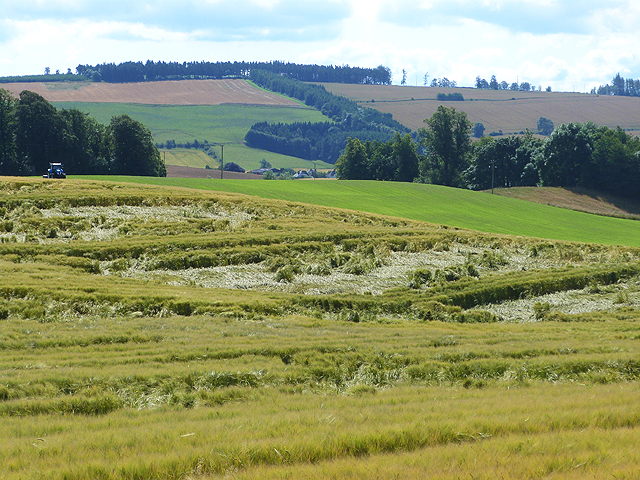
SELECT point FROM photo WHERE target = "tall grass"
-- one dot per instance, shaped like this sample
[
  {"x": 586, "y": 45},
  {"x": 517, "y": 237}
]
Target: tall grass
[{"x": 125, "y": 351}]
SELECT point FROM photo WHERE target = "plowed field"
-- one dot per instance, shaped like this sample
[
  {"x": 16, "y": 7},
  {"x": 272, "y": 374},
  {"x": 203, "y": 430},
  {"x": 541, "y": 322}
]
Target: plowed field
[
  {"x": 506, "y": 110},
  {"x": 183, "y": 92}
]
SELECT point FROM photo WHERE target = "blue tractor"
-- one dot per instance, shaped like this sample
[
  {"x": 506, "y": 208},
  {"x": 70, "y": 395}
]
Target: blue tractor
[{"x": 55, "y": 171}]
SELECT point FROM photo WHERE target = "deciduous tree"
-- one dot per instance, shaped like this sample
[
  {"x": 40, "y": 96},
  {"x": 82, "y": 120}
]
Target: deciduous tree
[
  {"x": 352, "y": 164},
  {"x": 8, "y": 155},
  {"x": 545, "y": 126},
  {"x": 447, "y": 143},
  {"x": 40, "y": 132},
  {"x": 478, "y": 130},
  {"x": 134, "y": 152}
]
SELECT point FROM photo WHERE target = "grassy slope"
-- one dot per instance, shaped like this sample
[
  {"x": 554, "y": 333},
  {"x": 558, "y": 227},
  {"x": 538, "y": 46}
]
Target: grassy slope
[
  {"x": 435, "y": 204},
  {"x": 247, "y": 158},
  {"x": 184, "y": 157},
  {"x": 215, "y": 123}
]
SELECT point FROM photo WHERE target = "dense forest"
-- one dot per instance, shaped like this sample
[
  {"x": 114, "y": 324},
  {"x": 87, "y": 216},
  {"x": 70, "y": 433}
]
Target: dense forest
[
  {"x": 34, "y": 133},
  {"x": 318, "y": 141},
  {"x": 574, "y": 155},
  {"x": 152, "y": 71}
]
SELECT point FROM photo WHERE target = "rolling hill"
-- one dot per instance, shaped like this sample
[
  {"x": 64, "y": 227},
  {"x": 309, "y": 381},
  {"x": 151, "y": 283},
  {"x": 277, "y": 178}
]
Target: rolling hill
[
  {"x": 449, "y": 207},
  {"x": 506, "y": 110},
  {"x": 218, "y": 111},
  {"x": 223, "y": 110}
]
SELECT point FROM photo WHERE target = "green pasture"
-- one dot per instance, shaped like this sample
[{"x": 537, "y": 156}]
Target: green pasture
[
  {"x": 214, "y": 123},
  {"x": 431, "y": 203},
  {"x": 226, "y": 124}
]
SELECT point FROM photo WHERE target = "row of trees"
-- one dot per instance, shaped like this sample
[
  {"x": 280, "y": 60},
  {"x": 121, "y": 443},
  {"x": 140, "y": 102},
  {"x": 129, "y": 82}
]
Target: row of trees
[
  {"x": 318, "y": 141},
  {"x": 314, "y": 141},
  {"x": 625, "y": 87},
  {"x": 493, "y": 84},
  {"x": 150, "y": 71},
  {"x": 394, "y": 160},
  {"x": 34, "y": 133},
  {"x": 574, "y": 155}
]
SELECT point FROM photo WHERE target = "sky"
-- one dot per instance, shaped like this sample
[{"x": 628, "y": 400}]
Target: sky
[{"x": 568, "y": 45}]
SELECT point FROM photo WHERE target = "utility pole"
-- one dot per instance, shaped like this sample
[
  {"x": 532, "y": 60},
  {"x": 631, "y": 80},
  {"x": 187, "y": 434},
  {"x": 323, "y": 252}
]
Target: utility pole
[
  {"x": 493, "y": 173},
  {"x": 222, "y": 161}
]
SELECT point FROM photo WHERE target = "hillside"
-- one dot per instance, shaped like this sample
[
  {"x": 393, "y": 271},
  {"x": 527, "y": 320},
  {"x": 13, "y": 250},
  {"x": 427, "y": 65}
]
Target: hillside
[
  {"x": 449, "y": 207},
  {"x": 218, "y": 111},
  {"x": 506, "y": 110},
  {"x": 160, "y": 332},
  {"x": 577, "y": 199},
  {"x": 183, "y": 92}
]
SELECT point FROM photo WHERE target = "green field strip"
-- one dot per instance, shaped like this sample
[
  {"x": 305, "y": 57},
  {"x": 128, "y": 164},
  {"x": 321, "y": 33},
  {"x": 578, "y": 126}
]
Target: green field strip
[
  {"x": 214, "y": 123},
  {"x": 431, "y": 203}
]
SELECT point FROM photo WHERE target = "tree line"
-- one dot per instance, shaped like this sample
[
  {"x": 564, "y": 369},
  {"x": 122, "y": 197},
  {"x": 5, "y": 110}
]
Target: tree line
[
  {"x": 493, "y": 84},
  {"x": 33, "y": 133},
  {"x": 47, "y": 77},
  {"x": 574, "y": 155},
  {"x": 624, "y": 87},
  {"x": 324, "y": 140},
  {"x": 155, "y": 71}
]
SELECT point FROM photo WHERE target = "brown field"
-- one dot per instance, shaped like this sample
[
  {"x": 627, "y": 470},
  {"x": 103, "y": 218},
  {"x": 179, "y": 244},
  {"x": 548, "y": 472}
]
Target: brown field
[
  {"x": 509, "y": 111},
  {"x": 183, "y": 92}
]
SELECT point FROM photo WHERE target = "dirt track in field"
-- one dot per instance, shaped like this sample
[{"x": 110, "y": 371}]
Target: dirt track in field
[{"x": 182, "y": 92}]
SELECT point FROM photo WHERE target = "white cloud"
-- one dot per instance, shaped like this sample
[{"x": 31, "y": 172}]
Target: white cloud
[{"x": 563, "y": 43}]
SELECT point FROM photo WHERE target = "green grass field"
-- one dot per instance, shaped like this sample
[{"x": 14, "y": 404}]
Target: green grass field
[
  {"x": 156, "y": 332},
  {"x": 435, "y": 204},
  {"x": 215, "y": 123}
]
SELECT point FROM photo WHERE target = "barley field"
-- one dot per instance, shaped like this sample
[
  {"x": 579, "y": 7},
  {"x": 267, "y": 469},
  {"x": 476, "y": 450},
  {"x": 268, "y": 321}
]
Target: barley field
[{"x": 154, "y": 332}]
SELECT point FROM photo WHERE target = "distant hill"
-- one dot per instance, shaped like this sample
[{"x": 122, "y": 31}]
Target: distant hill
[{"x": 506, "y": 110}]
